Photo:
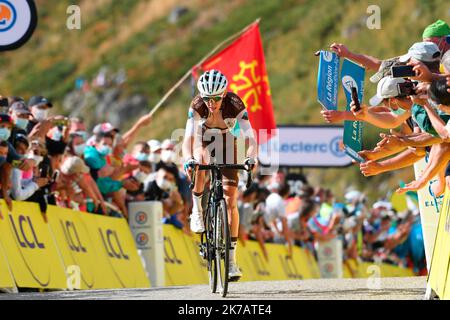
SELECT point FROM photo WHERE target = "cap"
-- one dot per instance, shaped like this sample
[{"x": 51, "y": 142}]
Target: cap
[
  {"x": 19, "y": 108},
  {"x": 73, "y": 165},
  {"x": 382, "y": 204},
  {"x": 104, "y": 128},
  {"x": 386, "y": 88},
  {"x": 5, "y": 118},
  {"x": 422, "y": 51},
  {"x": 154, "y": 144},
  {"x": 39, "y": 101},
  {"x": 436, "y": 29},
  {"x": 167, "y": 144},
  {"x": 352, "y": 195},
  {"x": 385, "y": 69}
]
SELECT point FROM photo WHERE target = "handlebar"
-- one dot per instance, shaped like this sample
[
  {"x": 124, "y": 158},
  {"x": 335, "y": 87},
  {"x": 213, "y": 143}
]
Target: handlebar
[{"x": 248, "y": 168}]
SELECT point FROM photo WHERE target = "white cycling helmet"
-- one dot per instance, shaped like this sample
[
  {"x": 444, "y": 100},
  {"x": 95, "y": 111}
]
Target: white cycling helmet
[{"x": 212, "y": 83}]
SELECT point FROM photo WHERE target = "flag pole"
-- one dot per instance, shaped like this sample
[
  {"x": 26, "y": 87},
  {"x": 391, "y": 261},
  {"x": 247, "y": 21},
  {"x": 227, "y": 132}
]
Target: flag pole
[{"x": 208, "y": 55}]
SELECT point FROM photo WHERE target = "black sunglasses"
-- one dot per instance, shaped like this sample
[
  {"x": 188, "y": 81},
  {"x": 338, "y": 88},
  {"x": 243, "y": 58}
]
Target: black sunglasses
[{"x": 215, "y": 99}]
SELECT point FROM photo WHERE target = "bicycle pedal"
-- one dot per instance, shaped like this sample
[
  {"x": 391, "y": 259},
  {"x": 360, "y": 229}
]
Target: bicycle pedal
[{"x": 234, "y": 279}]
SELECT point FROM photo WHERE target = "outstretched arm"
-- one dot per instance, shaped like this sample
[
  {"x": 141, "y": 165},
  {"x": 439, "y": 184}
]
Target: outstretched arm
[{"x": 367, "y": 61}]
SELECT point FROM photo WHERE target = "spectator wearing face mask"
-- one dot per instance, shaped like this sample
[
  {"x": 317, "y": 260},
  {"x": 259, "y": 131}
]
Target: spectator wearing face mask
[
  {"x": 12, "y": 159},
  {"x": 95, "y": 157},
  {"x": 76, "y": 147},
  {"x": 78, "y": 126},
  {"x": 22, "y": 189},
  {"x": 139, "y": 153},
  {"x": 20, "y": 115},
  {"x": 155, "y": 153},
  {"x": 164, "y": 189},
  {"x": 39, "y": 107}
]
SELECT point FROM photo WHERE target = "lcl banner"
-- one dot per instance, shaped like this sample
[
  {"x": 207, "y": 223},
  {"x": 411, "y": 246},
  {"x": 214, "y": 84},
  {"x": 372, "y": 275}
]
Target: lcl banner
[{"x": 18, "y": 20}]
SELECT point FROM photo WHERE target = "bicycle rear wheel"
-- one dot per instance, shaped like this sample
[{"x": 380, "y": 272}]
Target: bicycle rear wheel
[
  {"x": 210, "y": 249},
  {"x": 222, "y": 239}
]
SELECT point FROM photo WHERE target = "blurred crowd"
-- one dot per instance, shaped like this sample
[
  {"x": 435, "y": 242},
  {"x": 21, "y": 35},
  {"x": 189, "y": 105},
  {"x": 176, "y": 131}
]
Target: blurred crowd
[
  {"x": 277, "y": 210},
  {"x": 55, "y": 160}
]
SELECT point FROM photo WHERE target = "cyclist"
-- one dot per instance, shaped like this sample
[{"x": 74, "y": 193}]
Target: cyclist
[{"x": 215, "y": 119}]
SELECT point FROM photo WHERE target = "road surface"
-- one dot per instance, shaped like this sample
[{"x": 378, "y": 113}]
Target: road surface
[{"x": 318, "y": 289}]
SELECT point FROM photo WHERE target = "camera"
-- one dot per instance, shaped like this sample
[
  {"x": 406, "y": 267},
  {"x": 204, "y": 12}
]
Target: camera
[{"x": 407, "y": 88}]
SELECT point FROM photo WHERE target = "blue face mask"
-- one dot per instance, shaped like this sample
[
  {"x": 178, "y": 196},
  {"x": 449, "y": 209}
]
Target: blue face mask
[
  {"x": 82, "y": 134},
  {"x": 4, "y": 134},
  {"x": 21, "y": 123},
  {"x": 104, "y": 150},
  {"x": 79, "y": 149},
  {"x": 57, "y": 135},
  {"x": 141, "y": 156},
  {"x": 2, "y": 160}
]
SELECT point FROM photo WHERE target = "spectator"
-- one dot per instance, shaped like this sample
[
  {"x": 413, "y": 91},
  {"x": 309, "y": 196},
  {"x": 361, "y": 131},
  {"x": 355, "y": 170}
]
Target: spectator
[
  {"x": 164, "y": 189},
  {"x": 275, "y": 214}
]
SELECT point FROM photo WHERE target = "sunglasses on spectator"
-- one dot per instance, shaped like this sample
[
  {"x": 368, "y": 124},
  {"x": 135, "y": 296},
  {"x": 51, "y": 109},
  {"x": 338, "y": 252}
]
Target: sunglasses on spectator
[{"x": 215, "y": 99}]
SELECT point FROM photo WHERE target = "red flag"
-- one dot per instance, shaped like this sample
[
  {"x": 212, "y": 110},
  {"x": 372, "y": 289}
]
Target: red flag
[{"x": 242, "y": 62}]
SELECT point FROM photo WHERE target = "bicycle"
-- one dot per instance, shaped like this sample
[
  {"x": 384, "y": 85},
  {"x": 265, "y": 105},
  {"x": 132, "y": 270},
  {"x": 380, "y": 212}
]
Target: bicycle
[{"x": 215, "y": 241}]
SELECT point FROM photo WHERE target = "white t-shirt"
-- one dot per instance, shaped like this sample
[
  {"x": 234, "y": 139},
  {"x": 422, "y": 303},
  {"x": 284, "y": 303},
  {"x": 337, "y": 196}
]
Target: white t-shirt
[{"x": 275, "y": 207}]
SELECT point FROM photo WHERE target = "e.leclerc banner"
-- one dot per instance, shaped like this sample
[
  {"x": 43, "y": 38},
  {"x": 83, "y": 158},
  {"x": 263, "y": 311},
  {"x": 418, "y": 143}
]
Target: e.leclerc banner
[
  {"x": 328, "y": 80},
  {"x": 352, "y": 75}
]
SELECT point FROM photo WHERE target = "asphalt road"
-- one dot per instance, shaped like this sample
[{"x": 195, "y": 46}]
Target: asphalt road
[{"x": 329, "y": 289}]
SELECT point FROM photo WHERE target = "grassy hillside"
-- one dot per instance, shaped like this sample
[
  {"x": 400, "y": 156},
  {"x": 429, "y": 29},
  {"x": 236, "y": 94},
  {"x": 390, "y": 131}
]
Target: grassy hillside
[{"x": 135, "y": 35}]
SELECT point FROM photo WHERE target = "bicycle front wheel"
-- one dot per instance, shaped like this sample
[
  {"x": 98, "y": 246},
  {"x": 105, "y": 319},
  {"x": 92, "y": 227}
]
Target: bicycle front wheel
[
  {"x": 222, "y": 239},
  {"x": 210, "y": 249}
]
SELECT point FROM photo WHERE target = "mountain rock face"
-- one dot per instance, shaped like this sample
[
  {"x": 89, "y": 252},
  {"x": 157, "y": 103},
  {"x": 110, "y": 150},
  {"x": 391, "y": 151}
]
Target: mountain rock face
[{"x": 109, "y": 105}]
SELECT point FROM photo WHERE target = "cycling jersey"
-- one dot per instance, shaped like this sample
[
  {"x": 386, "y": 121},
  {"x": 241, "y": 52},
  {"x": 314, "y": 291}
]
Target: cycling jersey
[{"x": 235, "y": 117}]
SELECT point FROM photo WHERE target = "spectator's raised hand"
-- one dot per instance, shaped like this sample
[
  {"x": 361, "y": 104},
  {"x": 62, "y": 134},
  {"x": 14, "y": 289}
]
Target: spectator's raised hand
[
  {"x": 361, "y": 114},
  {"x": 422, "y": 88},
  {"x": 332, "y": 116},
  {"x": 145, "y": 120},
  {"x": 412, "y": 186},
  {"x": 370, "y": 168},
  {"x": 340, "y": 49},
  {"x": 422, "y": 72}
]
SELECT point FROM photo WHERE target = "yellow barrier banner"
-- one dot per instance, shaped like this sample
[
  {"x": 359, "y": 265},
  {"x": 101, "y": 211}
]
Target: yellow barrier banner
[
  {"x": 192, "y": 242},
  {"x": 113, "y": 241},
  {"x": 6, "y": 279},
  {"x": 244, "y": 260},
  {"x": 258, "y": 263},
  {"x": 30, "y": 248},
  {"x": 439, "y": 268},
  {"x": 180, "y": 268},
  {"x": 86, "y": 267}
]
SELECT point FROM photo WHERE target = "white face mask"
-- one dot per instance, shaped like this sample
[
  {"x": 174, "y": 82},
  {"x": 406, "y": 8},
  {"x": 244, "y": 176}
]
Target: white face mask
[
  {"x": 167, "y": 156},
  {"x": 141, "y": 176},
  {"x": 40, "y": 114},
  {"x": 165, "y": 185},
  {"x": 37, "y": 159},
  {"x": 154, "y": 157},
  {"x": 57, "y": 135}
]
